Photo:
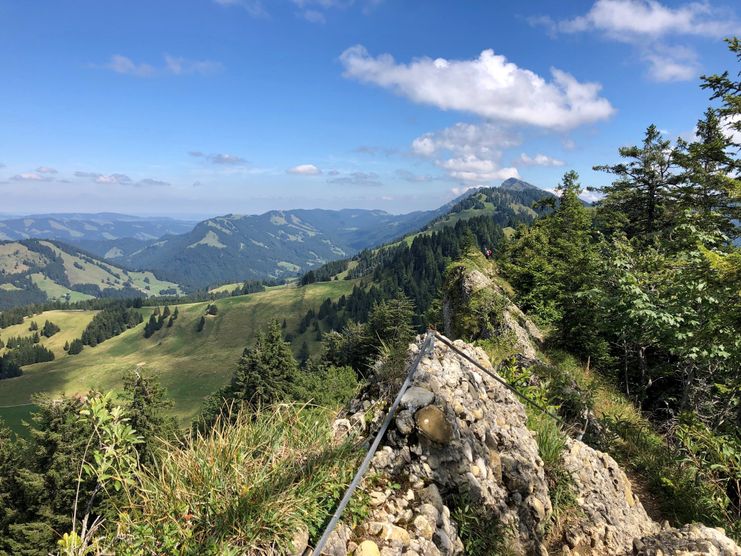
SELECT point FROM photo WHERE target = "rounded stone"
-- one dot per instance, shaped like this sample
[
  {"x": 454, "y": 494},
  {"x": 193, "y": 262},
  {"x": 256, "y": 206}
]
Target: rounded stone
[
  {"x": 432, "y": 424},
  {"x": 416, "y": 397},
  {"x": 367, "y": 548}
]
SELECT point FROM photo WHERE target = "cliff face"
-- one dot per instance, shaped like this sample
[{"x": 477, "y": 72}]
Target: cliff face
[{"x": 458, "y": 471}]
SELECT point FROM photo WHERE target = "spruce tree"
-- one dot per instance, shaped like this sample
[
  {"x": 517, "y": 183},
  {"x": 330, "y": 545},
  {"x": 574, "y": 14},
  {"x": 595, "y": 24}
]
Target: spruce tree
[
  {"x": 637, "y": 200},
  {"x": 706, "y": 185},
  {"x": 201, "y": 323},
  {"x": 146, "y": 402},
  {"x": 265, "y": 371}
]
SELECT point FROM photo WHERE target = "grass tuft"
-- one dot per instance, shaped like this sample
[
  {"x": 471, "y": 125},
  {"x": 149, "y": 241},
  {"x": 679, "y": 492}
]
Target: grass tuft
[{"x": 247, "y": 486}]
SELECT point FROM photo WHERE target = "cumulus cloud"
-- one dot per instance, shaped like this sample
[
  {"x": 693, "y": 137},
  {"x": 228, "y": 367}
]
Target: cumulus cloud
[
  {"x": 368, "y": 179},
  {"x": 173, "y": 65},
  {"x": 220, "y": 158},
  {"x": 538, "y": 160},
  {"x": 627, "y": 20},
  {"x": 488, "y": 86},
  {"x": 471, "y": 168},
  {"x": 469, "y": 152},
  {"x": 305, "y": 170},
  {"x": 648, "y": 24},
  {"x": 485, "y": 140},
  {"x": 46, "y": 170}
]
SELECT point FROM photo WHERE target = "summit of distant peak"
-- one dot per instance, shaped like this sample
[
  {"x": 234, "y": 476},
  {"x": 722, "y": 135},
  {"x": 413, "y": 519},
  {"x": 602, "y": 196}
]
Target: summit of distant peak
[{"x": 514, "y": 184}]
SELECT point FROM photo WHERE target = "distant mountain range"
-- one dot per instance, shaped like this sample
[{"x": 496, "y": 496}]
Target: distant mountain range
[
  {"x": 72, "y": 227},
  {"x": 231, "y": 248},
  {"x": 274, "y": 245}
]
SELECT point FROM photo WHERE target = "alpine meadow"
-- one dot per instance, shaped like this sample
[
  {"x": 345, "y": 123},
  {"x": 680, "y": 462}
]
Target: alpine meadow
[{"x": 373, "y": 278}]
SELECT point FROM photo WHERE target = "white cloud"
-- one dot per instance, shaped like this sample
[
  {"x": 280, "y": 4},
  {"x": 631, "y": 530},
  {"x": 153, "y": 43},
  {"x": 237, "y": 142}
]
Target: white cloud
[
  {"x": 472, "y": 168},
  {"x": 627, "y": 20},
  {"x": 648, "y": 24},
  {"x": 113, "y": 179},
  {"x": 31, "y": 176},
  {"x": 119, "y": 179},
  {"x": 126, "y": 66},
  {"x": 664, "y": 67},
  {"x": 538, "y": 160},
  {"x": 305, "y": 170},
  {"x": 469, "y": 152},
  {"x": 220, "y": 158},
  {"x": 46, "y": 170},
  {"x": 462, "y": 138},
  {"x": 488, "y": 86},
  {"x": 173, "y": 65}
]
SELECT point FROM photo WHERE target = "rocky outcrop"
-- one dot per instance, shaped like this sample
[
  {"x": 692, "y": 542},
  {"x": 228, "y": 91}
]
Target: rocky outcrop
[
  {"x": 460, "y": 436},
  {"x": 476, "y": 305},
  {"x": 610, "y": 515},
  {"x": 690, "y": 539}
]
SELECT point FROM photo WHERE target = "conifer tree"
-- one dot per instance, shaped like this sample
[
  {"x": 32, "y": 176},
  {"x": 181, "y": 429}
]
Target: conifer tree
[
  {"x": 641, "y": 192},
  {"x": 201, "y": 323},
  {"x": 146, "y": 402},
  {"x": 265, "y": 371}
]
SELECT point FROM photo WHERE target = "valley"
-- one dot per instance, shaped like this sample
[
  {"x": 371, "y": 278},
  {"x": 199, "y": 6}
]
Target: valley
[{"x": 190, "y": 364}]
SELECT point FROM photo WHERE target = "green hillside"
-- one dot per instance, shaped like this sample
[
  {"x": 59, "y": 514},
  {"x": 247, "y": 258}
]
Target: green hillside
[
  {"x": 35, "y": 271},
  {"x": 189, "y": 364}
]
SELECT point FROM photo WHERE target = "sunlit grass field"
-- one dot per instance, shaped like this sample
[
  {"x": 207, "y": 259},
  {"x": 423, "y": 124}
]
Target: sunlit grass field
[{"x": 190, "y": 364}]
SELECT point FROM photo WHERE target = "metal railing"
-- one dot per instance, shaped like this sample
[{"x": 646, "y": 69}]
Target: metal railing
[{"x": 426, "y": 346}]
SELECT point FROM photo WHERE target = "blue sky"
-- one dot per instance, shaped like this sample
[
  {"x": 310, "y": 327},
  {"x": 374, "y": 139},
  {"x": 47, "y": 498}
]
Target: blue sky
[{"x": 204, "y": 107}]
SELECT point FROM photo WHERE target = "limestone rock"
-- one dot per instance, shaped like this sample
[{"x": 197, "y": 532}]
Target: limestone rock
[
  {"x": 694, "y": 539},
  {"x": 610, "y": 517},
  {"x": 461, "y": 433},
  {"x": 416, "y": 397}
]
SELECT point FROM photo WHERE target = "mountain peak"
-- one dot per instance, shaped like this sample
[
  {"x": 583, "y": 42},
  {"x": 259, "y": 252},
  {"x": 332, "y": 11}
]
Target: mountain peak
[{"x": 514, "y": 184}]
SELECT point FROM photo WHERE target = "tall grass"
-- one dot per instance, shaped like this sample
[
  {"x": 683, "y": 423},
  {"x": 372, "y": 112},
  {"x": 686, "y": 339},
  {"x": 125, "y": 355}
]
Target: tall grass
[{"x": 247, "y": 486}]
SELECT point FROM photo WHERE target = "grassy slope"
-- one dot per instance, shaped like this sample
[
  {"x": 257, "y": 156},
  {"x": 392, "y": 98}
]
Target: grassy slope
[
  {"x": 189, "y": 364},
  {"x": 71, "y": 323}
]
